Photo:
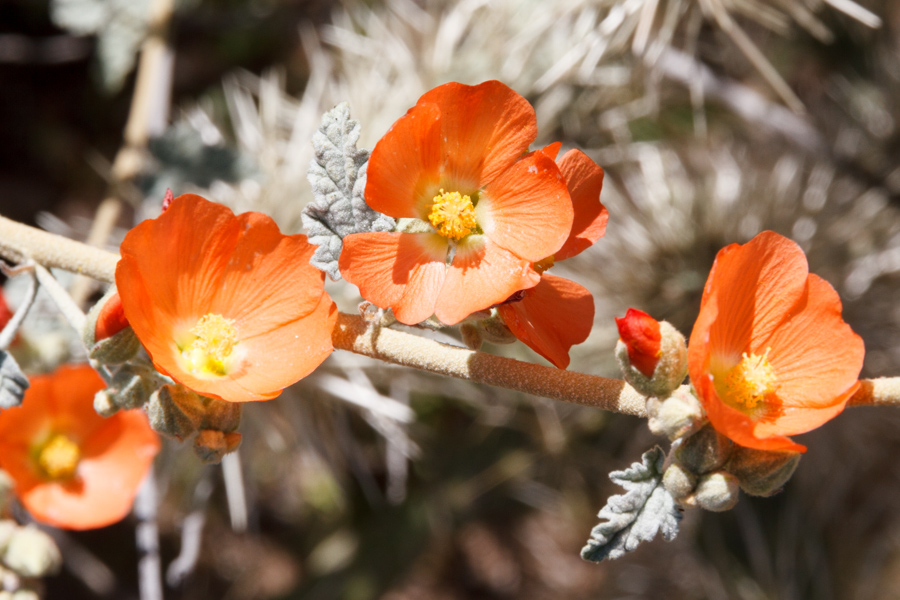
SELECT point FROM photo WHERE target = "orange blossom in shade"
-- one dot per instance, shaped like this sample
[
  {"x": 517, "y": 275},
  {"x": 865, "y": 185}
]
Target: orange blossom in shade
[
  {"x": 482, "y": 211},
  {"x": 769, "y": 355},
  {"x": 642, "y": 338},
  {"x": 225, "y": 305},
  {"x": 556, "y": 314},
  {"x": 73, "y": 468}
]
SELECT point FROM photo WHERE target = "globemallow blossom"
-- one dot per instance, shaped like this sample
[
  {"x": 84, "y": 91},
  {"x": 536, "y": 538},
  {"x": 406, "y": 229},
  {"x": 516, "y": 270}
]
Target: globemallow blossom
[
  {"x": 475, "y": 211},
  {"x": 73, "y": 468},
  {"x": 225, "y": 305},
  {"x": 770, "y": 355}
]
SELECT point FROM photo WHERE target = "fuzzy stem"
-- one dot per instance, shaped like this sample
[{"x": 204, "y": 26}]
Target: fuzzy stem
[{"x": 353, "y": 333}]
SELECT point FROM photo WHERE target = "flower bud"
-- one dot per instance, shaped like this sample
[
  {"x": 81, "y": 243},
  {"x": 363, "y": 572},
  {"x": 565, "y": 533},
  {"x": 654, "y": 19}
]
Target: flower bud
[
  {"x": 175, "y": 411},
  {"x": 471, "y": 335},
  {"x": 107, "y": 335},
  {"x": 678, "y": 481},
  {"x": 705, "y": 451},
  {"x": 211, "y": 445},
  {"x": 494, "y": 330},
  {"x": 32, "y": 553},
  {"x": 651, "y": 354},
  {"x": 676, "y": 416},
  {"x": 220, "y": 415},
  {"x": 762, "y": 472},
  {"x": 716, "y": 492},
  {"x": 131, "y": 387},
  {"x": 104, "y": 404}
]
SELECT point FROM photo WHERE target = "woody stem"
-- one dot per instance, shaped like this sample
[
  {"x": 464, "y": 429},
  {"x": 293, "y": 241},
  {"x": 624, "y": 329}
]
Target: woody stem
[{"x": 353, "y": 333}]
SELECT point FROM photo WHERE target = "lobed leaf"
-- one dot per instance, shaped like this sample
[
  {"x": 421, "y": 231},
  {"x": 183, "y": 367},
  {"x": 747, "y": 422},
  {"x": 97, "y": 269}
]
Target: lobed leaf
[
  {"x": 636, "y": 516},
  {"x": 337, "y": 175}
]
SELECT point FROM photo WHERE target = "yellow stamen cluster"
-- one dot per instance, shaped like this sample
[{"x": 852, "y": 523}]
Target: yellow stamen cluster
[
  {"x": 453, "y": 215},
  {"x": 750, "y": 381},
  {"x": 59, "y": 457},
  {"x": 215, "y": 338},
  {"x": 544, "y": 264}
]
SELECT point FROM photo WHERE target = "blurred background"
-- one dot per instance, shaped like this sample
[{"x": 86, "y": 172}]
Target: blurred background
[{"x": 714, "y": 120}]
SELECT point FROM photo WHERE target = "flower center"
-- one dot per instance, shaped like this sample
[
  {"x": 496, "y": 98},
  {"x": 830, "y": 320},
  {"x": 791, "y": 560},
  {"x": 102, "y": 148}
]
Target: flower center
[
  {"x": 215, "y": 338},
  {"x": 59, "y": 457},
  {"x": 453, "y": 215},
  {"x": 543, "y": 265},
  {"x": 750, "y": 381}
]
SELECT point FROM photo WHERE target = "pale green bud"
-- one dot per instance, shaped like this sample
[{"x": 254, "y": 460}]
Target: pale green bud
[
  {"x": 131, "y": 387},
  {"x": 678, "y": 481},
  {"x": 704, "y": 451},
  {"x": 762, "y": 472},
  {"x": 118, "y": 348},
  {"x": 106, "y": 321},
  {"x": 25, "y": 595},
  {"x": 675, "y": 416},
  {"x": 32, "y": 553},
  {"x": 211, "y": 445},
  {"x": 104, "y": 405},
  {"x": 716, "y": 492},
  {"x": 175, "y": 411}
]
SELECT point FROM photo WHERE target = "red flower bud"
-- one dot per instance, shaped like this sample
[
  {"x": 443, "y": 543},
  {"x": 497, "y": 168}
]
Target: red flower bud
[
  {"x": 111, "y": 319},
  {"x": 640, "y": 334}
]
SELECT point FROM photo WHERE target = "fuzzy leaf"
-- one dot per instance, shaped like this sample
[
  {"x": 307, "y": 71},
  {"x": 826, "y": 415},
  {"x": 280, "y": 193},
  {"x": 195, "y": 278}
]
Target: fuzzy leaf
[
  {"x": 13, "y": 382},
  {"x": 338, "y": 178},
  {"x": 637, "y": 516},
  {"x": 120, "y": 26}
]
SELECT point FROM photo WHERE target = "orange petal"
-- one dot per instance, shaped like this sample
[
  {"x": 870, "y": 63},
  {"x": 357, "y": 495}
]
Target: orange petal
[
  {"x": 551, "y": 150},
  {"x": 114, "y": 462},
  {"x": 584, "y": 179},
  {"x": 551, "y": 317},
  {"x": 757, "y": 285},
  {"x": 178, "y": 241},
  {"x": 404, "y": 170},
  {"x": 482, "y": 274},
  {"x": 527, "y": 209},
  {"x": 111, "y": 319},
  {"x": 816, "y": 357},
  {"x": 276, "y": 360},
  {"x": 268, "y": 280},
  {"x": 401, "y": 271},
  {"x": 484, "y": 128}
]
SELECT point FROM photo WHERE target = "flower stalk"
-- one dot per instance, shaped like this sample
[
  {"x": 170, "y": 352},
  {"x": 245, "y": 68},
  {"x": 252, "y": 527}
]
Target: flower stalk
[{"x": 354, "y": 334}]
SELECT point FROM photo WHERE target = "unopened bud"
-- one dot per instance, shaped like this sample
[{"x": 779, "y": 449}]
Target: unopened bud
[
  {"x": 651, "y": 354},
  {"x": 211, "y": 445},
  {"x": 675, "y": 416},
  {"x": 716, "y": 492},
  {"x": 471, "y": 335},
  {"x": 107, "y": 335},
  {"x": 175, "y": 411},
  {"x": 678, "y": 481},
  {"x": 32, "y": 553},
  {"x": 762, "y": 472},
  {"x": 104, "y": 404},
  {"x": 704, "y": 451},
  {"x": 131, "y": 387},
  {"x": 220, "y": 415},
  {"x": 495, "y": 331}
]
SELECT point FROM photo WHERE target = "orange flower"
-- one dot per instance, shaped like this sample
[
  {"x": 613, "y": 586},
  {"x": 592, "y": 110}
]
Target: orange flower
[
  {"x": 535, "y": 315},
  {"x": 73, "y": 468},
  {"x": 224, "y": 304},
  {"x": 482, "y": 212},
  {"x": 770, "y": 355}
]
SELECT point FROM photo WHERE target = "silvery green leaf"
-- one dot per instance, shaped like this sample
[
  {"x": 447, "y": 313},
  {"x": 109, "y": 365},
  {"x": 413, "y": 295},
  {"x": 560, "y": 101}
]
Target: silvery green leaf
[
  {"x": 338, "y": 178},
  {"x": 80, "y": 17},
  {"x": 636, "y": 516},
  {"x": 13, "y": 382},
  {"x": 120, "y": 26}
]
